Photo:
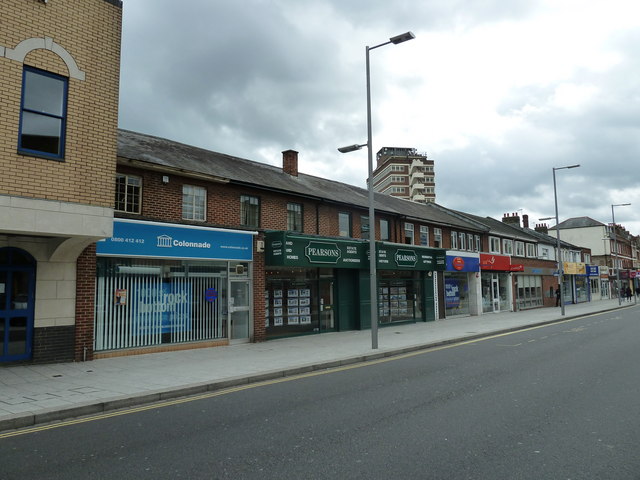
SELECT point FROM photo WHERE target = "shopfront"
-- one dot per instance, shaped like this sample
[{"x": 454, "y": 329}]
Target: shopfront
[
  {"x": 575, "y": 288},
  {"x": 462, "y": 284},
  {"x": 160, "y": 284},
  {"x": 593, "y": 274},
  {"x": 495, "y": 278},
  {"x": 321, "y": 284}
]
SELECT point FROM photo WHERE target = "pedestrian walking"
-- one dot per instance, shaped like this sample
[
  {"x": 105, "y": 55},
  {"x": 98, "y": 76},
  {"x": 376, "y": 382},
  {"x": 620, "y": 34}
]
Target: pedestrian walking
[
  {"x": 628, "y": 294},
  {"x": 557, "y": 296}
]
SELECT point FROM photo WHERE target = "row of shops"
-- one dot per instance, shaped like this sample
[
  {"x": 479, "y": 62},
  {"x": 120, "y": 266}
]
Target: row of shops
[{"x": 160, "y": 284}]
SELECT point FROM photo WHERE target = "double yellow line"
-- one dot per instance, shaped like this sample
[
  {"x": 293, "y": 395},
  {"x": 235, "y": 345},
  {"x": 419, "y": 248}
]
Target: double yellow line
[{"x": 226, "y": 391}]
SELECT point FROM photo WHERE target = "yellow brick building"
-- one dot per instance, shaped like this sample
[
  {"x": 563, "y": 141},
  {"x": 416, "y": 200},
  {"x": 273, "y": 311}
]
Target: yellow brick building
[{"x": 59, "y": 81}]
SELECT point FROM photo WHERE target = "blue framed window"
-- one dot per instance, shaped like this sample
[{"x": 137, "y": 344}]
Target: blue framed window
[{"x": 43, "y": 115}]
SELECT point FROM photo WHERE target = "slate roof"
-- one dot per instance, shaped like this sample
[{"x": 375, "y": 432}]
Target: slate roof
[
  {"x": 182, "y": 158},
  {"x": 579, "y": 222}
]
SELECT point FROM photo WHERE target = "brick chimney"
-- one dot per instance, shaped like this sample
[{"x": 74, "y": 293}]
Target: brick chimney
[
  {"x": 290, "y": 162},
  {"x": 513, "y": 219},
  {"x": 525, "y": 221},
  {"x": 542, "y": 228}
]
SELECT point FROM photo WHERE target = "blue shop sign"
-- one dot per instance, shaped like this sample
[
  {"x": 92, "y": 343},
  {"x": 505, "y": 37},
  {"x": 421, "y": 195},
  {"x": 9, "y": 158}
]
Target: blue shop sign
[
  {"x": 459, "y": 263},
  {"x": 593, "y": 271},
  {"x": 132, "y": 238}
]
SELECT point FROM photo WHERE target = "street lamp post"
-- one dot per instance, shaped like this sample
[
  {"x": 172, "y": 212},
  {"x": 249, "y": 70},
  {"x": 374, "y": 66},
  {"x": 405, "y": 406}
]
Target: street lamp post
[
  {"x": 615, "y": 247},
  {"x": 372, "y": 224},
  {"x": 560, "y": 266}
]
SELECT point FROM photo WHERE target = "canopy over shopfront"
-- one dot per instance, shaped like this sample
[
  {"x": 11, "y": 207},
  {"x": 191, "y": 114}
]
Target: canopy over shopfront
[{"x": 288, "y": 249}]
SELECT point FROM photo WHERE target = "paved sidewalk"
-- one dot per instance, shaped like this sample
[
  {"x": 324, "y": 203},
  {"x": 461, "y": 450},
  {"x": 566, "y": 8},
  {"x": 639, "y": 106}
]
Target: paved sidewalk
[{"x": 34, "y": 394}]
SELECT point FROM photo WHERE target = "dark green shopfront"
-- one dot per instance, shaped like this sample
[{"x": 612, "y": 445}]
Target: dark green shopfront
[{"x": 321, "y": 284}]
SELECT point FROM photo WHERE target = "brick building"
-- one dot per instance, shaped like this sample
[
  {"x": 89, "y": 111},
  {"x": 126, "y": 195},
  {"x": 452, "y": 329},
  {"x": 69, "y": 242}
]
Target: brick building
[
  {"x": 59, "y": 74},
  {"x": 210, "y": 249}
]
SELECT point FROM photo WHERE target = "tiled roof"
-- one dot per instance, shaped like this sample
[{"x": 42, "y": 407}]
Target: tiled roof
[{"x": 182, "y": 158}]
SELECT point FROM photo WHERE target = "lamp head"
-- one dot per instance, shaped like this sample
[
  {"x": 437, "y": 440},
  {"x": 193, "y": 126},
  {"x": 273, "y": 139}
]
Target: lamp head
[
  {"x": 350, "y": 148},
  {"x": 402, "y": 38}
]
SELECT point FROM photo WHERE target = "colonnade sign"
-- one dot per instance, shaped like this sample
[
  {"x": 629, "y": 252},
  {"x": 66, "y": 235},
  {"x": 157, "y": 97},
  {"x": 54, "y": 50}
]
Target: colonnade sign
[{"x": 133, "y": 238}]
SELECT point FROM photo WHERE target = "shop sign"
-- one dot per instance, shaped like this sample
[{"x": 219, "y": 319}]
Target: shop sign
[
  {"x": 283, "y": 249},
  {"x": 495, "y": 262},
  {"x": 572, "y": 268},
  {"x": 133, "y": 238},
  {"x": 391, "y": 257},
  {"x": 458, "y": 263},
  {"x": 406, "y": 258},
  {"x": 322, "y": 252},
  {"x": 593, "y": 270}
]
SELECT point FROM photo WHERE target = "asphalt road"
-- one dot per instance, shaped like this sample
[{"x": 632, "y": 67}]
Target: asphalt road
[{"x": 558, "y": 402}]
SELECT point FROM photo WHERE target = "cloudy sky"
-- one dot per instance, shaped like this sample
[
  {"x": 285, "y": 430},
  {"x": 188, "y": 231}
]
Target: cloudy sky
[{"x": 496, "y": 92}]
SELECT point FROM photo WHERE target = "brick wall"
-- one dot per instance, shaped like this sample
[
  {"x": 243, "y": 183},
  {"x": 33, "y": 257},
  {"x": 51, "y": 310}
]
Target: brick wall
[
  {"x": 90, "y": 31},
  {"x": 85, "y": 302},
  {"x": 53, "y": 344}
]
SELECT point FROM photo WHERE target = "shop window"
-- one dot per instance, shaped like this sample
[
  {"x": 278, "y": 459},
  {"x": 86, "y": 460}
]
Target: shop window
[
  {"x": 384, "y": 230},
  {"x": 437, "y": 237},
  {"x": 344, "y": 224},
  {"x": 193, "y": 202},
  {"x": 43, "y": 114},
  {"x": 507, "y": 247},
  {"x": 408, "y": 233},
  {"x": 128, "y": 193},
  {"x": 364, "y": 227},
  {"x": 494, "y": 245},
  {"x": 249, "y": 211},
  {"x": 424, "y": 235},
  {"x": 520, "y": 249},
  {"x": 294, "y": 217}
]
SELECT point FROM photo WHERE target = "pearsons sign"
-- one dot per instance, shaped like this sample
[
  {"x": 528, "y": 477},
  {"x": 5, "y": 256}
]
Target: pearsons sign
[
  {"x": 295, "y": 250},
  {"x": 292, "y": 250},
  {"x": 133, "y": 238}
]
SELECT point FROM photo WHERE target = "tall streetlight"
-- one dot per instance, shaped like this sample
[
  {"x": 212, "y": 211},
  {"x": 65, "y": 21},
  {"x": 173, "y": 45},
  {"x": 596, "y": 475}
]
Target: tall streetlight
[
  {"x": 615, "y": 247},
  {"x": 560, "y": 266},
  {"x": 372, "y": 223}
]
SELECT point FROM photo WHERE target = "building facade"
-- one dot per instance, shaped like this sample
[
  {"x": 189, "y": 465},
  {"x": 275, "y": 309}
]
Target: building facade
[
  {"x": 405, "y": 173},
  {"x": 59, "y": 74}
]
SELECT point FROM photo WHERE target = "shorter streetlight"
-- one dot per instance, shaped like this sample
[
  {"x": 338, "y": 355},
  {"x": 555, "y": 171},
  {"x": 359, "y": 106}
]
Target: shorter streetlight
[
  {"x": 560, "y": 272},
  {"x": 615, "y": 247}
]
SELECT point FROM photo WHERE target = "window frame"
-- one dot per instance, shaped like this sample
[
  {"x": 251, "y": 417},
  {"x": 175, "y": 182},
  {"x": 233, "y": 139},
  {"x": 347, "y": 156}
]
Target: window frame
[
  {"x": 137, "y": 193},
  {"x": 493, "y": 241},
  {"x": 254, "y": 203},
  {"x": 408, "y": 227},
  {"x": 507, "y": 246},
  {"x": 193, "y": 206},
  {"x": 531, "y": 250},
  {"x": 342, "y": 216},
  {"x": 384, "y": 232},
  {"x": 437, "y": 237},
  {"x": 365, "y": 229},
  {"x": 295, "y": 218},
  {"x": 478, "y": 244},
  {"x": 462, "y": 240},
  {"x": 62, "y": 118},
  {"x": 454, "y": 240},
  {"x": 519, "y": 248},
  {"x": 424, "y": 235}
]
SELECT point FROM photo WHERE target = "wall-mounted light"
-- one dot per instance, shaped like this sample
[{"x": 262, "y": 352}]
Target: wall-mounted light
[{"x": 165, "y": 179}]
